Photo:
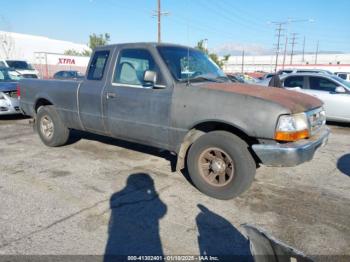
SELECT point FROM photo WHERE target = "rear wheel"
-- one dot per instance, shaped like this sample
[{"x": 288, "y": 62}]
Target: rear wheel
[
  {"x": 50, "y": 127},
  {"x": 220, "y": 165}
]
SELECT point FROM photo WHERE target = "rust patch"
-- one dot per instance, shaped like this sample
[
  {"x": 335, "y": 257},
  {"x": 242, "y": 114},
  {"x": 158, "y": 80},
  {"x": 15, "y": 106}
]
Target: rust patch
[{"x": 296, "y": 102}]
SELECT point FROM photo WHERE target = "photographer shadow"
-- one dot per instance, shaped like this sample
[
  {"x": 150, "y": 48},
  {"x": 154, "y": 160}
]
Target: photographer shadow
[
  {"x": 134, "y": 222},
  {"x": 219, "y": 238}
]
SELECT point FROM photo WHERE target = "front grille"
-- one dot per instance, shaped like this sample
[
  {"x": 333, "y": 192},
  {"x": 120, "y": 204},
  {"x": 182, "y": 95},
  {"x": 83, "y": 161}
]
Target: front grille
[
  {"x": 317, "y": 119},
  {"x": 4, "y": 109}
]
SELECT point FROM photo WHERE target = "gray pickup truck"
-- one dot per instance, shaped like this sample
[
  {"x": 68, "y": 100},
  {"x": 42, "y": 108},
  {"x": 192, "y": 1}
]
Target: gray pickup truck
[{"x": 175, "y": 98}]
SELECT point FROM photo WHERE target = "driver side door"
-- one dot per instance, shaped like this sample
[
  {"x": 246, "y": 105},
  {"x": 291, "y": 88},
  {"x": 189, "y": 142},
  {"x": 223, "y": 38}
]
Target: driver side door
[{"x": 135, "y": 110}]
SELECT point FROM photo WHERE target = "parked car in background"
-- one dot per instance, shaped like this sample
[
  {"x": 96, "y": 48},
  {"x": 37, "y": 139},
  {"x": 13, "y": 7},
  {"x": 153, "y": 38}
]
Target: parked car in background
[
  {"x": 303, "y": 70},
  {"x": 235, "y": 78},
  {"x": 23, "y": 67},
  {"x": 68, "y": 75},
  {"x": 3, "y": 63},
  {"x": 9, "y": 103},
  {"x": 331, "y": 89},
  {"x": 343, "y": 75}
]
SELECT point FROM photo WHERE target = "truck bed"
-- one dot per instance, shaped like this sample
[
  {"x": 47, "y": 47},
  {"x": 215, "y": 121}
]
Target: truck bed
[{"x": 61, "y": 93}]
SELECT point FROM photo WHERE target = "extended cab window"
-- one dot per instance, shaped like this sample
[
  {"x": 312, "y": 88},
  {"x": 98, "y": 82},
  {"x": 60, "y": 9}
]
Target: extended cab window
[
  {"x": 294, "y": 81},
  {"x": 98, "y": 65},
  {"x": 131, "y": 67},
  {"x": 322, "y": 84}
]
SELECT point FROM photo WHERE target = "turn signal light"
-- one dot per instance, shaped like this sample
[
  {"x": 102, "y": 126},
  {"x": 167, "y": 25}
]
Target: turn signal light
[
  {"x": 18, "y": 91},
  {"x": 291, "y": 136}
]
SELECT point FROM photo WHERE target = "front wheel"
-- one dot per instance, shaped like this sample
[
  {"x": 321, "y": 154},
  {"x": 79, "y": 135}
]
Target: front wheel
[
  {"x": 50, "y": 127},
  {"x": 220, "y": 165}
]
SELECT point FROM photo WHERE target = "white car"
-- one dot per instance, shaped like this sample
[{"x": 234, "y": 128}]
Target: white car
[
  {"x": 343, "y": 75},
  {"x": 331, "y": 89},
  {"x": 23, "y": 67},
  {"x": 9, "y": 103}
]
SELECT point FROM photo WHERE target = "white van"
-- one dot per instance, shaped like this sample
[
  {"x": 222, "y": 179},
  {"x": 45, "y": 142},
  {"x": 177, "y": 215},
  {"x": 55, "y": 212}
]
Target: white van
[{"x": 23, "y": 67}]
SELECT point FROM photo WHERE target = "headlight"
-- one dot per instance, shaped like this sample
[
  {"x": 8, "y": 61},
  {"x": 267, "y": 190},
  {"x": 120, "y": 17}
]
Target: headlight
[
  {"x": 292, "y": 127},
  {"x": 1, "y": 96}
]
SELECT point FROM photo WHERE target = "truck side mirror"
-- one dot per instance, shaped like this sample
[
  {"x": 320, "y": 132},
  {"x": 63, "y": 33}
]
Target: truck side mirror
[
  {"x": 340, "y": 90},
  {"x": 150, "y": 78}
]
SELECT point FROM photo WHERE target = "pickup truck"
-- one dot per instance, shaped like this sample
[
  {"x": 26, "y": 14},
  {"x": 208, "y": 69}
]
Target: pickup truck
[{"x": 175, "y": 98}]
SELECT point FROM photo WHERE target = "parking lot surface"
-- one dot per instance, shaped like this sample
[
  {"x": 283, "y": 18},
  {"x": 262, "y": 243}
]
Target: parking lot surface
[{"x": 99, "y": 194}]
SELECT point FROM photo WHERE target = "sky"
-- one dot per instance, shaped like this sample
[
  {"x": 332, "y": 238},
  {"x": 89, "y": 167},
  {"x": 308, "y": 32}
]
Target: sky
[{"x": 230, "y": 26}]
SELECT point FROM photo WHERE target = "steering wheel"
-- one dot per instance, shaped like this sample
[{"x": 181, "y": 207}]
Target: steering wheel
[{"x": 197, "y": 73}]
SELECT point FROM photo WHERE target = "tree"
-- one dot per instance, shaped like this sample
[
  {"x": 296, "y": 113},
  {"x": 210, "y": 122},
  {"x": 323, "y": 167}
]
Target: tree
[
  {"x": 7, "y": 44},
  {"x": 98, "y": 40},
  {"x": 94, "y": 41},
  {"x": 213, "y": 56},
  {"x": 73, "y": 52}
]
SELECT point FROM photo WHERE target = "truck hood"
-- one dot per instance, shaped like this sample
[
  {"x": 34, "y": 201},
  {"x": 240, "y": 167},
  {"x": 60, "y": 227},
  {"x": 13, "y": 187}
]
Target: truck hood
[
  {"x": 294, "y": 101},
  {"x": 8, "y": 86}
]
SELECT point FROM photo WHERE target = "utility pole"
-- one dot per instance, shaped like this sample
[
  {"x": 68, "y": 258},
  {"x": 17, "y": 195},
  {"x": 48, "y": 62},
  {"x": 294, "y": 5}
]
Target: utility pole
[
  {"x": 159, "y": 22},
  {"x": 278, "y": 45},
  {"x": 303, "y": 59},
  {"x": 159, "y": 15},
  {"x": 285, "y": 52},
  {"x": 293, "y": 43},
  {"x": 243, "y": 62},
  {"x": 316, "y": 54},
  {"x": 279, "y": 30}
]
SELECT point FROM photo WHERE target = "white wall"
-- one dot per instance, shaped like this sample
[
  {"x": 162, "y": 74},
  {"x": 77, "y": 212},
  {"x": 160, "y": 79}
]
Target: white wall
[{"x": 23, "y": 46}]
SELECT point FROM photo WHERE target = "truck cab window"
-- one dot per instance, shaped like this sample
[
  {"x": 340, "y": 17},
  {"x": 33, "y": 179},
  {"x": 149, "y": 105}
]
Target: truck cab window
[
  {"x": 294, "y": 81},
  {"x": 98, "y": 65},
  {"x": 322, "y": 84},
  {"x": 131, "y": 67}
]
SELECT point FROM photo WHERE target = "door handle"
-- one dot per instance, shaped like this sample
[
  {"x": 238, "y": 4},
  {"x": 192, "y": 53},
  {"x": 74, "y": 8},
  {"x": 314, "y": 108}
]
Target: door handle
[{"x": 111, "y": 95}]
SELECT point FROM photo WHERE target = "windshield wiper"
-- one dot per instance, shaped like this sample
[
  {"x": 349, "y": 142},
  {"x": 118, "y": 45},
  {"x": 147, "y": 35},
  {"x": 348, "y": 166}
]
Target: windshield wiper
[{"x": 201, "y": 78}]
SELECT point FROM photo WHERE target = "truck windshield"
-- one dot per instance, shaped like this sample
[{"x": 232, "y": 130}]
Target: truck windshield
[{"x": 188, "y": 64}]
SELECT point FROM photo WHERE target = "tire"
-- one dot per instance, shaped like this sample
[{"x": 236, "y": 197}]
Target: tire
[
  {"x": 222, "y": 152},
  {"x": 50, "y": 127}
]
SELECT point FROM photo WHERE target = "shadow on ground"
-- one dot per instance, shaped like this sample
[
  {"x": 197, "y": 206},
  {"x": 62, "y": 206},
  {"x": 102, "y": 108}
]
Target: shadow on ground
[
  {"x": 134, "y": 222},
  {"x": 343, "y": 164},
  {"x": 134, "y": 226},
  {"x": 13, "y": 117},
  {"x": 75, "y": 136},
  {"x": 341, "y": 124},
  {"x": 218, "y": 237}
]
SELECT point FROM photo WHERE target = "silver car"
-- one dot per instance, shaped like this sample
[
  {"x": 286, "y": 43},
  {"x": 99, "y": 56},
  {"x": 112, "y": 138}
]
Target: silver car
[
  {"x": 9, "y": 103},
  {"x": 331, "y": 89}
]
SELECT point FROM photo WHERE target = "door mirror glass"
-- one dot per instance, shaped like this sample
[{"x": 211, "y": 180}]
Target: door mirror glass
[
  {"x": 149, "y": 78},
  {"x": 340, "y": 89}
]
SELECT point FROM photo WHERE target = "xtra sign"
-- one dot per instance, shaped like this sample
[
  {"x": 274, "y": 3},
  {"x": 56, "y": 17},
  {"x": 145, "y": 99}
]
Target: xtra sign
[{"x": 66, "y": 61}]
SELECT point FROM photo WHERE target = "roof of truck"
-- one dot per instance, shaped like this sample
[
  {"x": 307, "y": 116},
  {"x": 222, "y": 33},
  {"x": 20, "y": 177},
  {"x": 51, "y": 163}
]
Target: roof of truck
[{"x": 154, "y": 44}]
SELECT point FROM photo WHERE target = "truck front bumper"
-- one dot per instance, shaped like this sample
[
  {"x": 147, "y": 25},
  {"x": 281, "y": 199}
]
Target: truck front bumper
[{"x": 291, "y": 154}]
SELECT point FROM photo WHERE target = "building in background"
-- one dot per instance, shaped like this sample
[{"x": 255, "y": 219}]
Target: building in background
[
  {"x": 44, "y": 53},
  {"x": 331, "y": 62}
]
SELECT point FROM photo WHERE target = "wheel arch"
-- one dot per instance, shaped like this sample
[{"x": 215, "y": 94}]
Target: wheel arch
[
  {"x": 41, "y": 102},
  {"x": 204, "y": 127}
]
